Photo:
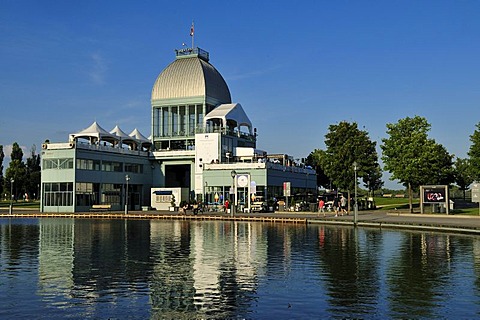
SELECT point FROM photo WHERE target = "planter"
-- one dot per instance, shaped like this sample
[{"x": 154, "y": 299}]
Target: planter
[{"x": 172, "y": 209}]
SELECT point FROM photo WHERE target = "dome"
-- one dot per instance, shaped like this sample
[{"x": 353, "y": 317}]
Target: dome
[{"x": 191, "y": 75}]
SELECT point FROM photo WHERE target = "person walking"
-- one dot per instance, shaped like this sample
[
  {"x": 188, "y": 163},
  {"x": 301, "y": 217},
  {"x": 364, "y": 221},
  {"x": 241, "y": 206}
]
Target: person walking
[
  {"x": 336, "y": 204},
  {"x": 343, "y": 205},
  {"x": 321, "y": 207}
]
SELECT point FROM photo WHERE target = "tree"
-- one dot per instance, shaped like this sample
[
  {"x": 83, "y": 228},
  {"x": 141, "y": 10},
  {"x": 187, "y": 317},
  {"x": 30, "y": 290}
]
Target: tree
[
  {"x": 15, "y": 170},
  {"x": 463, "y": 174},
  {"x": 316, "y": 159},
  {"x": 33, "y": 174},
  {"x": 346, "y": 145},
  {"x": 414, "y": 159},
  {"x": 474, "y": 153},
  {"x": 373, "y": 180},
  {"x": 2, "y": 156}
]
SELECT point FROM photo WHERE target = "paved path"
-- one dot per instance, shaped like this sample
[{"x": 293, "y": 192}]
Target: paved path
[{"x": 377, "y": 218}]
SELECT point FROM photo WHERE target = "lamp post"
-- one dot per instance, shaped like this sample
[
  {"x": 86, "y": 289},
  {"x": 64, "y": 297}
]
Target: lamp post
[
  {"x": 127, "y": 178},
  {"x": 11, "y": 195},
  {"x": 205, "y": 184},
  {"x": 355, "y": 216},
  {"x": 233, "y": 173}
]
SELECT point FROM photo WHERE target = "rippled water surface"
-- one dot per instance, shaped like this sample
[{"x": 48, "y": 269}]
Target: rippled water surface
[{"x": 140, "y": 269}]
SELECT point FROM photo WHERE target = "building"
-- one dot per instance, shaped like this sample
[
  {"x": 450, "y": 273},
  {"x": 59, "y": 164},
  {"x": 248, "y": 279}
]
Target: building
[{"x": 202, "y": 147}]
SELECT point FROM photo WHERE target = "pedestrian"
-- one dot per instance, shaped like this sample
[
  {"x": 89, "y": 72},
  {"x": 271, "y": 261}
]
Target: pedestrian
[
  {"x": 336, "y": 203},
  {"x": 321, "y": 207},
  {"x": 227, "y": 203},
  {"x": 343, "y": 205}
]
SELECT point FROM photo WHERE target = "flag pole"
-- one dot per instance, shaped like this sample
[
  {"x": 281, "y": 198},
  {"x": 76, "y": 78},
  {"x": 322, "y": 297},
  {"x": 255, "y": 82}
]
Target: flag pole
[{"x": 192, "y": 34}]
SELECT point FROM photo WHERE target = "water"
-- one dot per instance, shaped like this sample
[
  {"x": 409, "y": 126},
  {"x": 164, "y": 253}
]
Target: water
[{"x": 140, "y": 269}]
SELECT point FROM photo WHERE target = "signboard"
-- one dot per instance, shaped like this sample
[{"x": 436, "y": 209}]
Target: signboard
[
  {"x": 476, "y": 192},
  {"x": 253, "y": 187},
  {"x": 434, "y": 195},
  {"x": 242, "y": 180},
  {"x": 286, "y": 189}
]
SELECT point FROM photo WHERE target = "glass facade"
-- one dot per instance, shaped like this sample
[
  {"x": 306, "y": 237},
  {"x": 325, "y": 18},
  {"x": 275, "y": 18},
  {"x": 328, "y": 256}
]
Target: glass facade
[
  {"x": 86, "y": 193},
  {"x": 58, "y": 194},
  {"x": 175, "y": 126}
]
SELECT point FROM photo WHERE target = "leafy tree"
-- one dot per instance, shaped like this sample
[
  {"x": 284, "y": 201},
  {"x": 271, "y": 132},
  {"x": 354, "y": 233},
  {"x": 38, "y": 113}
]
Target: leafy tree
[
  {"x": 346, "y": 145},
  {"x": 463, "y": 174},
  {"x": 33, "y": 173},
  {"x": 2, "y": 156},
  {"x": 15, "y": 170},
  {"x": 315, "y": 160},
  {"x": 474, "y": 153},
  {"x": 17, "y": 152},
  {"x": 414, "y": 159},
  {"x": 373, "y": 180}
]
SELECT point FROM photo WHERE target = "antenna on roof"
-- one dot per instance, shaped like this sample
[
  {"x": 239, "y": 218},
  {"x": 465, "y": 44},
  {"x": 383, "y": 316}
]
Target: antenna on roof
[{"x": 192, "y": 33}]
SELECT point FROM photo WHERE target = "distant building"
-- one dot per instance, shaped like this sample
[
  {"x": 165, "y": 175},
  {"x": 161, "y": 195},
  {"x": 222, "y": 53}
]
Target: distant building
[{"x": 202, "y": 148}]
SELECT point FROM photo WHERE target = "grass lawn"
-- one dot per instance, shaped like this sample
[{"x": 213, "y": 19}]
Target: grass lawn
[
  {"x": 23, "y": 204},
  {"x": 402, "y": 204},
  {"x": 467, "y": 211},
  {"x": 394, "y": 203}
]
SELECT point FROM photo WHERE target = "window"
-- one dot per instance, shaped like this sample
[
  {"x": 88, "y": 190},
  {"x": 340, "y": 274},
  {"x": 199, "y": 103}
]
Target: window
[
  {"x": 111, "y": 193},
  {"x": 165, "y": 118},
  {"x": 58, "y": 194},
  {"x": 86, "y": 193},
  {"x": 112, "y": 166},
  {"x": 88, "y": 164},
  {"x": 62, "y": 163},
  {"x": 133, "y": 168}
]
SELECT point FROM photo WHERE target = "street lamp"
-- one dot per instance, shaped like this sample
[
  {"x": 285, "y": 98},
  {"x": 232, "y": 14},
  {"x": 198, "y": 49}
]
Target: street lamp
[
  {"x": 127, "y": 178},
  {"x": 11, "y": 195},
  {"x": 233, "y": 173},
  {"x": 205, "y": 184},
  {"x": 355, "y": 168}
]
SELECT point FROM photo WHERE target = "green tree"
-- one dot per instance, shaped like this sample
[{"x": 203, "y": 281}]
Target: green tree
[
  {"x": 414, "y": 159},
  {"x": 33, "y": 174},
  {"x": 2, "y": 156},
  {"x": 373, "y": 180},
  {"x": 346, "y": 145},
  {"x": 15, "y": 171},
  {"x": 316, "y": 159},
  {"x": 463, "y": 174},
  {"x": 474, "y": 153}
]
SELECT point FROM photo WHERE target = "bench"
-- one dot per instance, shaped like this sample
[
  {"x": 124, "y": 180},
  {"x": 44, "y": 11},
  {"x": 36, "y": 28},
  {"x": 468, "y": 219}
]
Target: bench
[{"x": 101, "y": 207}]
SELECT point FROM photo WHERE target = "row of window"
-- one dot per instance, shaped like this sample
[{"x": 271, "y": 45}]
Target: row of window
[
  {"x": 94, "y": 165},
  {"x": 87, "y": 193},
  {"x": 63, "y": 163},
  {"x": 178, "y": 120}
]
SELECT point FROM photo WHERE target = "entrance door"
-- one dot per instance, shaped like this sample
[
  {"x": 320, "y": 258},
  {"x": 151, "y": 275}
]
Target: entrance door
[{"x": 177, "y": 176}]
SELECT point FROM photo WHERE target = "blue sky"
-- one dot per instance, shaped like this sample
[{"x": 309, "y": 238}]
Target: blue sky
[{"x": 295, "y": 66}]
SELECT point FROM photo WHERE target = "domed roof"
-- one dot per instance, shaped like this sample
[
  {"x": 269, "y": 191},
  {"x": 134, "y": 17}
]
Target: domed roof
[{"x": 191, "y": 75}]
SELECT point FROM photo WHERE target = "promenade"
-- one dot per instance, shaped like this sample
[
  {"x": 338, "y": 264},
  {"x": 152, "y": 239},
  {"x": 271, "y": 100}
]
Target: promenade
[{"x": 377, "y": 219}]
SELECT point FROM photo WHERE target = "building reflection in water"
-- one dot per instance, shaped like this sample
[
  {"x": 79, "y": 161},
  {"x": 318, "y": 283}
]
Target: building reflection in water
[
  {"x": 55, "y": 258},
  {"x": 206, "y": 268}
]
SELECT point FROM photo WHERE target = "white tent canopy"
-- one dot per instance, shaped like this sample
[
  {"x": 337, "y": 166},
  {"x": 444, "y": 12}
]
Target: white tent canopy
[
  {"x": 94, "y": 133},
  {"x": 124, "y": 138},
  {"x": 146, "y": 143},
  {"x": 231, "y": 111}
]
